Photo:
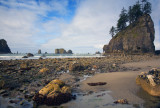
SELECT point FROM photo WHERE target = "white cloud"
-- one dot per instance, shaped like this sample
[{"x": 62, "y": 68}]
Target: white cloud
[
  {"x": 88, "y": 31},
  {"x": 23, "y": 27},
  {"x": 20, "y": 24}
]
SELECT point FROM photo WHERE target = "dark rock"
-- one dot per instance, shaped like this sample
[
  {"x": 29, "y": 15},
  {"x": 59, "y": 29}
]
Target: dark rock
[
  {"x": 76, "y": 67},
  {"x": 60, "y": 51},
  {"x": 30, "y": 55},
  {"x": 4, "y": 47},
  {"x": 121, "y": 101},
  {"x": 14, "y": 101},
  {"x": 24, "y": 57},
  {"x": 69, "y": 52},
  {"x": 24, "y": 66},
  {"x": 97, "y": 84},
  {"x": 39, "y": 51},
  {"x": 157, "y": 52},
  {"x": 136, "y": 38},
  {"x": 2, "y": 83},
  {"x": 55, "y": 93},
  {"x": 5, "y": 94},
  {"x": 40, "y": 58}
]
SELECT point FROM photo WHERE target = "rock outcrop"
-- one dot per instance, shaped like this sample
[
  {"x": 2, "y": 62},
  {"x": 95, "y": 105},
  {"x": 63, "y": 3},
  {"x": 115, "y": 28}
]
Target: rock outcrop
[
  {"x": 55, "y": 93},
  {"x": 30, "y": 55},
  {"x": 39, "y": 51},
  {"x": 150, "y": 81},
  {"x": 136, "y": 38},
  {"x": 69, "y": 52},
  {"x": 4, "y": 49},
  {"x": 63, "y": 51},
  {"x": 60, "y": 51}
]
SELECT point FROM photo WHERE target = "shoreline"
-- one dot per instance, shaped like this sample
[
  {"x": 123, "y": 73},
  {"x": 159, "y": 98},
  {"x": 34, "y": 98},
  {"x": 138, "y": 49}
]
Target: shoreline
[
  {"x": 122, "y": 84},
  {"x": 23, "y": 77}
]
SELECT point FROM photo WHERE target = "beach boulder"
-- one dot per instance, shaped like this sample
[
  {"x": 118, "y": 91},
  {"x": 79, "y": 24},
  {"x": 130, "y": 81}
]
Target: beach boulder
[
  {"x": 150, "y": 81},
  {"x": 54, "y": 93},
  {"x": 121, "y": 101},
  {"x": 30, "y": 55},
  {"x": 76, "y": 67},
  {"x": 24, "y": 57},
  {"x": 24, "y": 66}
]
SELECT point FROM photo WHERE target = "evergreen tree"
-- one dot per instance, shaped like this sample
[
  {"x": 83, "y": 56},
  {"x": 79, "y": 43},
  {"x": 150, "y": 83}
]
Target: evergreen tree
[
  {"x": 143, "y": 2},
  {"x": 112, "y": 31},
  {"x": 136, "y": 11},
  {"x": 147, "y": 8},
  {"x": 122, "y": 20},
  {"x": 130, "y": 15}
]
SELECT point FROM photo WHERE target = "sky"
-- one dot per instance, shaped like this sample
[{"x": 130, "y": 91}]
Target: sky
[{"x": 80, "y": 25}]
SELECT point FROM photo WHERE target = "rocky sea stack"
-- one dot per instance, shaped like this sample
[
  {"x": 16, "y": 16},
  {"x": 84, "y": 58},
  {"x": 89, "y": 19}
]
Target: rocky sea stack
[
  {"x": 138, "y": 37},
  {"x": 4, "y": 49}
]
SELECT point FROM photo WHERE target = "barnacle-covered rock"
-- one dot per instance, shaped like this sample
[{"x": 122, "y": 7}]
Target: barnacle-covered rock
[
  {"x": 121, "y": 101},
  {"x": 54, "y": 93},
  {"x": 150, "y": 81}
]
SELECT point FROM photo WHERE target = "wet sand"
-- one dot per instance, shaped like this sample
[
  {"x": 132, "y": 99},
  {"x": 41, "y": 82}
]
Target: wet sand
[{"x": 122, "y": 84}]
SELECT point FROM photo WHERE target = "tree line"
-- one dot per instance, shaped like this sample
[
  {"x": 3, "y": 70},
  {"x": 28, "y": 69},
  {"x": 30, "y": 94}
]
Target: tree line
[{"x": 134, "y": 12}]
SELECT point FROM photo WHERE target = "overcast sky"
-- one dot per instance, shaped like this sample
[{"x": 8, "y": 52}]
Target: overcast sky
[{"x": 80, "y": 25}]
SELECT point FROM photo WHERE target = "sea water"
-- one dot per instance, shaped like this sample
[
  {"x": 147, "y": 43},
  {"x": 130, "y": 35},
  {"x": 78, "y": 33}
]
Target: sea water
[{"x": 49, "y": 55}]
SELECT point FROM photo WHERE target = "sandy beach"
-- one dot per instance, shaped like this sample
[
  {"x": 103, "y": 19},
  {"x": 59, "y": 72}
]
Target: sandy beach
[
  {"x": 122, "y": 84},
  {"x": 119, "y": 72}
]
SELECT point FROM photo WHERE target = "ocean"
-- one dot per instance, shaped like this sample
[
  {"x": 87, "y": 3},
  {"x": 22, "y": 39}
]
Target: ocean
[{"x": 49, "y": 55}]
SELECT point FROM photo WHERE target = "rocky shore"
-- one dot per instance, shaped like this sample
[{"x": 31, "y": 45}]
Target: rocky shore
[{"x": 24, "y": 78}]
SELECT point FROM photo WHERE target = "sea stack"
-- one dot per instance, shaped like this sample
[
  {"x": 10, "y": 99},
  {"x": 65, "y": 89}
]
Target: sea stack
[
  {"x": 138, "y": 37},
  {"x": 4, "y": 49},
  {"x": 69, "y": 52},
  {"x": 60, "y": 51},
  {"x": 39, "y": 51}
]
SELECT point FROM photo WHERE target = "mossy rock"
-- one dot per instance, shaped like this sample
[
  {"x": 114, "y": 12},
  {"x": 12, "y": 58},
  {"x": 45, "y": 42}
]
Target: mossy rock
[{"x": 54, "y": 93}]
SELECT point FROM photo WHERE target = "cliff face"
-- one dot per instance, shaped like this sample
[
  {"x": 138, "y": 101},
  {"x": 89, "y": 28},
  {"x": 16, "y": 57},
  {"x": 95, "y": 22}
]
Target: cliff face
[
  {"x": 4, "y": 47},
  {"x": 136, "y": 38}
]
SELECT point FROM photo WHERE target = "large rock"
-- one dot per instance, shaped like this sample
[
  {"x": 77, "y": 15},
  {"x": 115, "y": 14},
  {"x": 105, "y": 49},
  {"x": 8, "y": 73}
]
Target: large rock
[
  {"x": 4, "y": 47},
  {"x": 55, "y": 93},
  {"x": 39, "y": 51},
  {"x": 60, "y": 51},
  {"x": 136, "y": 38},
  {"x": 150, "y": 81},
  {"x": 69, "y": 52},
  {"x": 76, "y": 67},
  {"x": 30, "y": 55}
]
